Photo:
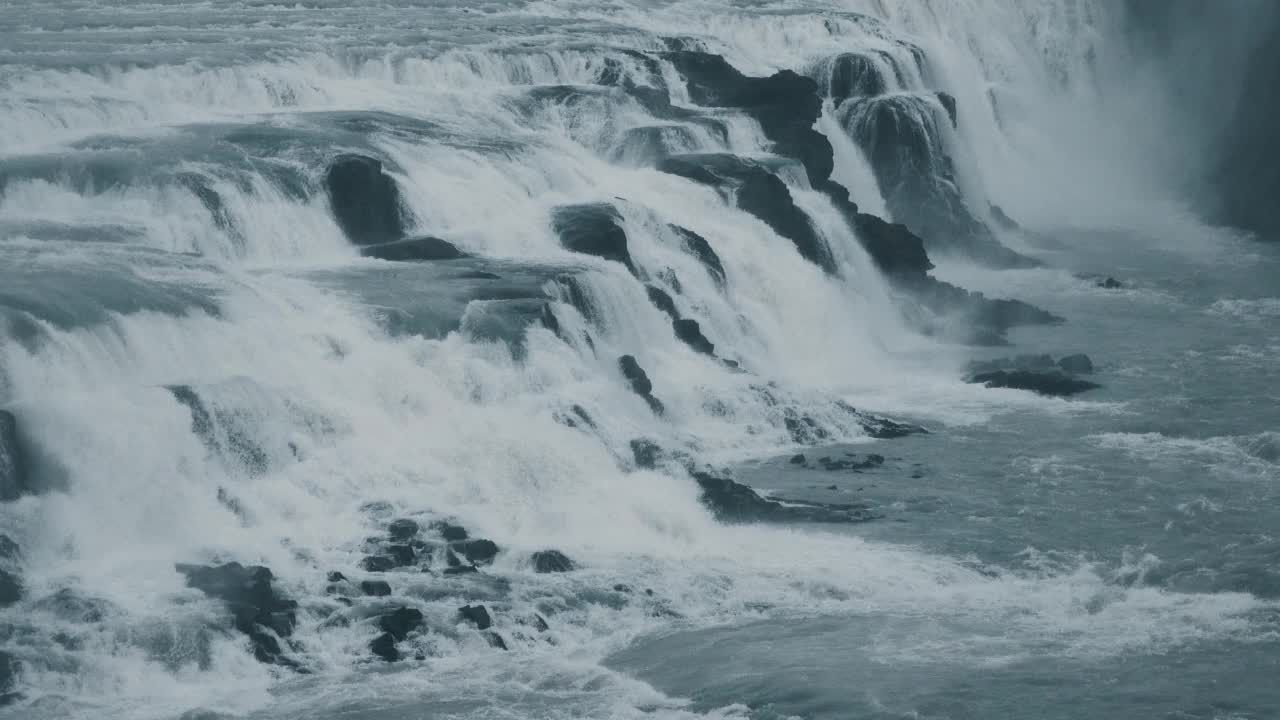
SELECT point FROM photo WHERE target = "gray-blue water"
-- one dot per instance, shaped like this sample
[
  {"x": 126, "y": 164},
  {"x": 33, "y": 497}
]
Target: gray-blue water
[{"x": 197, "y": 366}]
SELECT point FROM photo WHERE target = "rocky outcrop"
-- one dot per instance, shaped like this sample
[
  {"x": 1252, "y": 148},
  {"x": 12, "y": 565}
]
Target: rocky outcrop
[
  {"x": 256, "y": 608},
  {"x": 731, "y": 501},
  {"x": 690, "y": 333},
  {"x": 413, "y": 249},
  {"x": 551, "y": 561},
  {"x": 365, "y": 200},
  {"x": 592, "y": 229},
  {"x": 477, "y": 615},
  {"x": 701, "y": 249},
  {"x": 639, "y": 381},
  {"x": 1052, "y": 382},
  {"x": 13, "y": 467}
]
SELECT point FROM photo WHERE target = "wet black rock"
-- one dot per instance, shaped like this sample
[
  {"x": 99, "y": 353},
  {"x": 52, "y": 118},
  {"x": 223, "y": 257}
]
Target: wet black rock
[
  {"x": 851, "y": 462},
  {"x": 10, "y": 588},
  {"x": 414, "y": 249},
  {"x": 365, "y": 200},
  {"x": 803, "y": 429},
  {"x": 335, "y": 576},
  {"x": 461, "y": 570},
  {"x": 1110, "y": 284},
  {"x": 639, "y": 381},
  {"x": 592, "y": 229},
  {"x": 855, "y": 75},
  {"x": 401, "y": 554},
  {"x": 646, "y": 453},
  {"x": 400, "y": 622},
  {"x": 949, "y": 104},
  {"x": 662, "y": 301},
  {"x": 690, "y": 333},
  {"x": 894, "y": 248},
  {"x": 731, "y": 501},
  {"x": 257, "y": 609},
  {"x": 449, "y": 531},
  {"x": 551, "y": 561},
  {"x": 375, "y": 588},
  {"x": 764, "y": 195},
  {"x": 402, "y": 529},
  {"x": 1078, "y": 364},
  {"x": 701, "y": 249},
  {"x": 477, "y": 615},
  {"x": 9, "y": 669},
  {"x": 1052, "y": 383},
  {"x": 798, "y": 459},
  {"x": 377, "y": 563},
  {"x": 384, "y": 646},
  {"x": 13, "y": 470},
  {"x": 495, "y": 640},
  {"x": 478, "y": 551}
]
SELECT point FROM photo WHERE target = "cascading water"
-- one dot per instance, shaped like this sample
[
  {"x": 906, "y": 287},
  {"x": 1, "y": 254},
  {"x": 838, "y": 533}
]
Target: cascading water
[{"x": 275, "y": 279}]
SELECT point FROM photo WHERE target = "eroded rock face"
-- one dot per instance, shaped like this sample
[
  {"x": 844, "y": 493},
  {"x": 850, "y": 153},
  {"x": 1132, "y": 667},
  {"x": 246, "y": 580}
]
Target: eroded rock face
[
  {"x": 13, "y": 469},
  {"x": 551, "y": 561},
  {"x": 592, "y": 229},
  {"x": 365, "y": 200}
]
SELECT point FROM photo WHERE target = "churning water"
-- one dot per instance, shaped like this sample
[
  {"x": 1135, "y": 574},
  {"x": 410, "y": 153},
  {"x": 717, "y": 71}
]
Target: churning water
[{"x": 205, "y": 359}]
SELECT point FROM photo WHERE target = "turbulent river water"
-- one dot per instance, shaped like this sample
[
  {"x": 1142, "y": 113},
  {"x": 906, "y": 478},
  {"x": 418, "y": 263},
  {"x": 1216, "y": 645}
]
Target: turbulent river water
[{"x": 217, "y": 347}]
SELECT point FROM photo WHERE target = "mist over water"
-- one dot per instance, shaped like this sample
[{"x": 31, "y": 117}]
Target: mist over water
[{"x": 216, "y": 348}]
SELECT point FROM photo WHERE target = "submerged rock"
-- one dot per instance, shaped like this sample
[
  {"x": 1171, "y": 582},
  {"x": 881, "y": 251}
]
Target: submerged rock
[
  {"x": 449, "y": 531},
  {"x": 13, "y": 470},
  {"x": 1078, "y": 364},
  {"x": 690, "y": 333},
  {"x": 10, "y": 588},
  {"x": 1110, "y": 284},
  {"x": 377, "y": 563},
  {"x": 384, "y": 646},
  {"x": 646, "y": 453},
  {"x": 551, "y": 561},
  {"x": 592, "y": 229},
  {"x": 375, "y": 588},
  {"x": 1053, "y": 383},
  {"x": 662, "y": 301},
  {"x": 411, "y": 249},
  {"x": 258, "y": 610},
  {"x": 477, "y": 615},
  {"x": 732, "y": 501},
  {"x": 365, "y": 200},
  {"x": 478, "y": 551},
  {"x": 400, "y": 622}
]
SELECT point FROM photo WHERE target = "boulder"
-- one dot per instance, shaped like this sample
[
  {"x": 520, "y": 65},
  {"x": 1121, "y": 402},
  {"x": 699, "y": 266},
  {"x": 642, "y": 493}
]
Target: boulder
[
  {"x": 13, "y": 470},
  {"x": 893, "y": 248},
  {"x": 635, "y": 375},
  {"x": 1078, "y": 364},
  {"x": 375, "y": 588},
  {"x": 449, "y": 531},
  {"x": 478, "y": 551},
  {"x": 551, "y": 561},
  {"x": 701, "y": 249},
  {"x": 798, "y": 459},
  {"x": 377, "y": 563},
  {"x": 1052, "y": 383},
  {"x": 477, "y": 615},
  {"x": 257, "y": 609},
  {"x": 690, "y": 333},
  {"x": 402, "y": 530},
  {"x": 731, "y": 501},
  {"x": 662, "y": 301},
  {"x": 402, "y": 554},
  {"x": 400, "y": 622},
  {"x": 592, "y": 229},
  {"x": 413, "y": 249},
  {"x": 646, "y": 453},
  {"x": 1110, "y": 284},
  {"x": 365, "y": 200},
  {"x": 384, "y": 646},
  {"x": 10, "y": 588}
]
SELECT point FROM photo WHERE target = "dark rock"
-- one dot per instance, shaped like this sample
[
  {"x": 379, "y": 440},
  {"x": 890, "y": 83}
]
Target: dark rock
[
  {"x": 400, "y": 622},
  {"x": 1002, "y": 219},
  {"x": 495, "y": 640},
  {"x": 854, "y": 75},
  {"x": 377, "y": 563},
  {"x": 479, "y": 551},
  {"x": 13, "y": 470},
  {"x": 335, "y": 576},
  {"x": 894, "y": 248},
  {"x": 9, "y": 669},
  {"x": 688, "y": 331},
  {"x": 701, "y": 249},
  {"x": 635, "y": 375},
  {"x": 646, "y": 453},
  {"x": 949, "y": 104},
  {"x": 1110, "y": 284},
  {"x": 477, "y": 615},
  {"x": 255, "y": 606},
  {"x": 1079, "y": 364},
  {"x": 375, "y": 588},
  {"x": 401, "y": 554},
  {"x": 449, "y": 531},
  {"x": 10, "y": 588},
  {"x": 731, "y": 501},
  {"x": 798, "y": 459},
  {"x": 1043, "y": 383},
  {"x": 551, "y": 561},
  {"x": 384, "y": 646},
  {"x": 461, "y": 570},
  {"x": 402, "y": 529},
  {"x": 9, "y": 549},
  {"x": 365, "y": 200},
  {"x": 662, "y": 301},
  {"x": 479, "y": 275},
  {"x": 803, "y": 429},
  {"x": 592, "y": 229},
  {"x": 414, "y": 249}
]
